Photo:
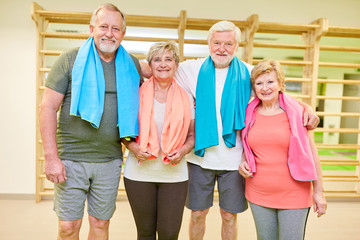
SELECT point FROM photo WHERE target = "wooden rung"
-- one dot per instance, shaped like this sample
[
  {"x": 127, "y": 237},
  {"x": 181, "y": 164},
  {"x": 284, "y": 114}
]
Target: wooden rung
[
  {"x": 338, "y": 158},
  {"x": 339, "y": 191},
  {"x": 292, "y": 79},
  {"x": 152, "y": 21},
  {"x": 61, "y": 14},
  {"x": 279, "y": 45},
  {"x": 340, "y": 163},
  {"x": 340, "y": 176},
  {"x": 65, "y": 35},
  {"x": 300, "y": 96},
  {"x": 342, "y": 114},
  {"x": 337, "y": 130},
  {"x": 69, "y": 21},
  {"x": 148, "y": 39},
  {"x": 340, "y": 65},
  {"x": 340, "y": 48},
  {"x": 50, "y": 52},
  {"x": 338, "y": 146},
  {"x": 338, "y": 98},
  {"x": 121, "y": 194},
  {"x": 44, "y": 69},
  {"x": 340, "y": 180},
  {"x": 344, "y": 29},
  {"x": 339, "y": 81},
  {"x": 289, "y": 63},
  {"x": 350, "y": 32},
  {"x": 286, "y": 28},
  {"x": 342, "y": 196},
  {"x": 205, "y": 24}
]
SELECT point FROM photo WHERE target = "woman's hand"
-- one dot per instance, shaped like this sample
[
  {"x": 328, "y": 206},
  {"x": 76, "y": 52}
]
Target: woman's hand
[
  {"x": 134, "y": 147},
  {"x": 175, "y": 156},
  {"x": 141, "y": 156},
  {"x": 320, "y": 203}
]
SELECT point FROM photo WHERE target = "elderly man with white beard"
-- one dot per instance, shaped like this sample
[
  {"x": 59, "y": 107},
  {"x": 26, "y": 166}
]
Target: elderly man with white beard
[{"x": 96, "y": 87}]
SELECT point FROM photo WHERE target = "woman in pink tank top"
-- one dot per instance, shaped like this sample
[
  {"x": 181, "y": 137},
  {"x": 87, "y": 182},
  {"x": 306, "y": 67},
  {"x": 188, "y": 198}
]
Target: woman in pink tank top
[{"x": 280, "y": 161}]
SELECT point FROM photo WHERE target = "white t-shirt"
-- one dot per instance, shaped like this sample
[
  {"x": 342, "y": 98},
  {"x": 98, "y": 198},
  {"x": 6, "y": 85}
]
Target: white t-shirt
[
  {"x": 218, "y": 157},
  {"x": 155, "y": 170}
]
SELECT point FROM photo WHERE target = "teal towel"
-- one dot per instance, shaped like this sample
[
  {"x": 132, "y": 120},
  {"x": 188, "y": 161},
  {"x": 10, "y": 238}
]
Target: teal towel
[
  {"x": 88, "y": 89},
  {"x": 234, "y": 99}
]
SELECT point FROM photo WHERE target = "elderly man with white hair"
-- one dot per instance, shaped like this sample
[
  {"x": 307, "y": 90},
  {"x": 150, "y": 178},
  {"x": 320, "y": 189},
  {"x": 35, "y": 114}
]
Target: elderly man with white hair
[{"x": 95, "y": 88}]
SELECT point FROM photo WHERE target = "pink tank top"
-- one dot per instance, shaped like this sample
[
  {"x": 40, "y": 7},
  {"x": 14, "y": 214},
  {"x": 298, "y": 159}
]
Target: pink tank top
[{"x": 272, "y": 185}]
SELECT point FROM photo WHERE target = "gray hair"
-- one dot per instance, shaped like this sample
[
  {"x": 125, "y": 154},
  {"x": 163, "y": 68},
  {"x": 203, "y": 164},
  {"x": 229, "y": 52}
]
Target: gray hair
[
  {"x": 223, "y": 26},
  {"x": 108, "y": 6},
  {"x": 161, "y": 47}
]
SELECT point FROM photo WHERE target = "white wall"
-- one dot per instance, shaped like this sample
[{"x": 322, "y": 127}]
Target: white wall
[{"x": 18, "y": 48}]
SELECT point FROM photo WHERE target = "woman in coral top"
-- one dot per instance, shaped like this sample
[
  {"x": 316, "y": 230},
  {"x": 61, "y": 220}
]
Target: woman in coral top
[
  {"x": 156, "y": 175},
  {"x": 281, "y": 164}
]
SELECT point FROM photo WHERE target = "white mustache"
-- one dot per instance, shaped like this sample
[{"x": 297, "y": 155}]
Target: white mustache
[
  {"x": 108, "y": 39},
  {"x": 222, "y": 53}
]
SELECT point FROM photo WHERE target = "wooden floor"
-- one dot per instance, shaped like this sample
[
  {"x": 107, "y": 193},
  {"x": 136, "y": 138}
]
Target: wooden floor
[{"x": 25, "y": 219}]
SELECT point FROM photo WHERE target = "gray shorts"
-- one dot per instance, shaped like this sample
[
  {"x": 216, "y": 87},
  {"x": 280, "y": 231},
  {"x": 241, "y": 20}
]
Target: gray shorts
[
  {"x": 201, "y": 189},
  {"x": 96, "y": 182}
]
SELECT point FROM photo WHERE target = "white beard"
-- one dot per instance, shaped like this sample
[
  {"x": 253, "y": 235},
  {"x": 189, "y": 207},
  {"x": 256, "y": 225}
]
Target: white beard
[{"x": 108, "y": 48}]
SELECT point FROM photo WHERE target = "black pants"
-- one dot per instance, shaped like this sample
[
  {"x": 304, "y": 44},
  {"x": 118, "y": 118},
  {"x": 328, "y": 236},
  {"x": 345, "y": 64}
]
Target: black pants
[{"x": 157, "y": 207}]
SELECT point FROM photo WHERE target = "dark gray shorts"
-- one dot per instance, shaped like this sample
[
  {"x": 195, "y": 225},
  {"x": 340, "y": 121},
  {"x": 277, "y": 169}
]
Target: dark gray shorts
[
  {"x": 96, "y": 182},
  {"x": 201, "y": 189}
]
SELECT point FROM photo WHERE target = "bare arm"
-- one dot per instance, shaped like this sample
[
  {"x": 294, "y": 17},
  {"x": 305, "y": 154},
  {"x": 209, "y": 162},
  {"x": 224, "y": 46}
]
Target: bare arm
[
  {"x": 54, "y": 168},
  {"x": 145, "y": 69},
  {"x": 176, "y": 155},
  {"x": 319, "y": 200}
]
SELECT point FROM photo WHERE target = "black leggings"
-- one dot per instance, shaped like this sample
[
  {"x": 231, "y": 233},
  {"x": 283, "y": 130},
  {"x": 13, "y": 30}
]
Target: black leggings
[{"x": 157, "y": 207}]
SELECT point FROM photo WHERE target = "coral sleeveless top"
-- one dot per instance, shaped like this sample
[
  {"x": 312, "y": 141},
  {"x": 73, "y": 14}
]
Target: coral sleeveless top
[{"x": 272, "y": 185}]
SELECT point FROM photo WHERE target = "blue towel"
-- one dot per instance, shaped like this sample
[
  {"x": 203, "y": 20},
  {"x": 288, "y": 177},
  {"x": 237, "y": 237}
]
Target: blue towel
[
  {"x": 234, "y": 99},
  {"x": 88, "y": 89}
]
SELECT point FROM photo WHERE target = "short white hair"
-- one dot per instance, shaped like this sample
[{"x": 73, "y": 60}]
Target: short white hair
[
  {"x": 108, "y": 6},
  {"x": 223, "y": 26}
]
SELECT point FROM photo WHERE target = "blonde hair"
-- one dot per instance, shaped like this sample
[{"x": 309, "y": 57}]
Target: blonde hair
[
  {"x": 111, "y": 7},
  {"x": 159, "y": 48},
  {"x": 268, "y": 66}
]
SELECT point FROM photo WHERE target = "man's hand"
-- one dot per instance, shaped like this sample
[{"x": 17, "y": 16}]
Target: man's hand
[
  {"x": 145, "y": 69},
  {"x": 244, "y": 169},
  {"x": 55, "y": 170},
  {"x": 311, "y": 120}
]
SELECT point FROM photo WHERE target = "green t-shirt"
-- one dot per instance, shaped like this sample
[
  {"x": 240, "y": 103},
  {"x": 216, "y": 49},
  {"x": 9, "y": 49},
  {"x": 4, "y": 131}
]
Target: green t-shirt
[{"x": 77, "y": 140}]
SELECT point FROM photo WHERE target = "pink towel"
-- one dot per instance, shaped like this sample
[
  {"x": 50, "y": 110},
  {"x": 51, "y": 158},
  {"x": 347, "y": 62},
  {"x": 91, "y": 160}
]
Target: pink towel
[
  {"x": 300, "y": 160},
  {"x": 176, "y": 122}
]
